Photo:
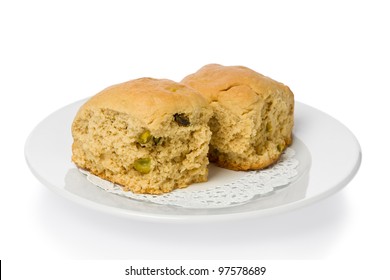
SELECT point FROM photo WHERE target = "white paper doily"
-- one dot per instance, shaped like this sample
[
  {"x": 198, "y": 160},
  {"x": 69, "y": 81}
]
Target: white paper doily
[{"x": 235, "y": 192}]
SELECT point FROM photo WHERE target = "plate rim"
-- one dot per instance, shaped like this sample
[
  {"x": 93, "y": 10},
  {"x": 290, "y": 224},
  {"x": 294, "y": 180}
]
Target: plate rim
[{"x": 190, "y": 218}]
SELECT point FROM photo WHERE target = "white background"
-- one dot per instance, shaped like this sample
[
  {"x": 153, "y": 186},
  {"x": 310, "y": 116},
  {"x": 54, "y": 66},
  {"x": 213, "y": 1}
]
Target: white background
[{"x": 334, "y": 55}]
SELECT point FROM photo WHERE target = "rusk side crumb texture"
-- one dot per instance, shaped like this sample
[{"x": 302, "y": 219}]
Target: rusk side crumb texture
[
  {"x": 253, "y": 115},
  {"x": 147, "y": 135}
]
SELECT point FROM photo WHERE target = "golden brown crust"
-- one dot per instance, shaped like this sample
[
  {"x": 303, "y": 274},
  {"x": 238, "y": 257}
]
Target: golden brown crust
[
  {"x": 147, "y": 99},
  {"x": 236, "y": 87}
]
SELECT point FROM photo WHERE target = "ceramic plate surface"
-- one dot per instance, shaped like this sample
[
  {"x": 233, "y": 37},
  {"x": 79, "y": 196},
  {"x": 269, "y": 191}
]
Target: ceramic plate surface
[{"x": 328, "y": 153}]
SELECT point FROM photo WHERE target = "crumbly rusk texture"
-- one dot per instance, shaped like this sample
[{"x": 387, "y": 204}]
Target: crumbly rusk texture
[
  {"x": 253, "y": 115},
  {"x": 147, "y": 135}
]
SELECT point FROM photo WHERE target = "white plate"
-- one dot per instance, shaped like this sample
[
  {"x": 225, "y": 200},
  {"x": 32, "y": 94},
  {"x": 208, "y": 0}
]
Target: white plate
[{"x": 329, "y": 156}]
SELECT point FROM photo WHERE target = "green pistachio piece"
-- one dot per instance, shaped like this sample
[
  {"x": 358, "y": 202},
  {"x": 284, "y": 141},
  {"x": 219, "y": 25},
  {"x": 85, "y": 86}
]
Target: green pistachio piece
[
  {"x": 181, "y": 119},
  {"x": 144, "y": 137},
  {"x": 142, "y": 165},
  {"x": 280, "y": 147}
]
